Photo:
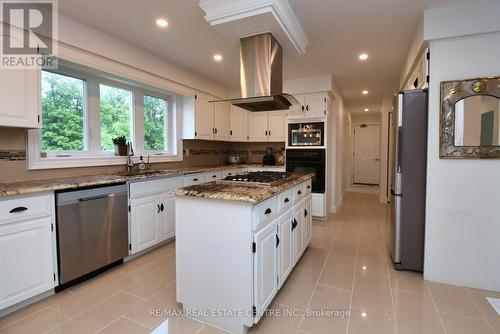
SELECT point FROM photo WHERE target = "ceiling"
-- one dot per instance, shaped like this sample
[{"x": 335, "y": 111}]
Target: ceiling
[{"x": 338, "y": 30}]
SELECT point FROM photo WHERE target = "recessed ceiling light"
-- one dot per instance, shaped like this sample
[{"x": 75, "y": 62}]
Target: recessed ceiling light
[
  {"x": 366, "y": 109},
  {"x": 162, "y": 23},
  {"x": 364, "y": 267},
  {"x": 363, "y": 56},
  {"x": 363, "y": 314},
  {"x": 217, "y": 57},
  {"x": 364, "y": 92}
]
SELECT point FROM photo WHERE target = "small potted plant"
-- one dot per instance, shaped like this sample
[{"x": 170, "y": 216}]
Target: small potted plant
[{"x": 120, "y": 145}]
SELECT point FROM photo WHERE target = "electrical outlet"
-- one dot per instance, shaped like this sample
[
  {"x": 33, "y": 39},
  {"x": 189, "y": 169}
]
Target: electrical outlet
[{"x": 187, "y": 152}]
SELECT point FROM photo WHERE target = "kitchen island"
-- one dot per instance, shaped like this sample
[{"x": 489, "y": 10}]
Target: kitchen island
[{"x": 236, "y": 244}]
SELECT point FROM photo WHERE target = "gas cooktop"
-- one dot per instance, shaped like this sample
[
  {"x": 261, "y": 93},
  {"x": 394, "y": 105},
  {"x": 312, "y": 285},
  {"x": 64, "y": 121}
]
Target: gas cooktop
[{"x": 266, "y": 179}]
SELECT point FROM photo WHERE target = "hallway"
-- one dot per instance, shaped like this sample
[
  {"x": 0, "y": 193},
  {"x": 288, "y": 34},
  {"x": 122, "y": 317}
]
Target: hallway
[{"x": 345, "y": 268}]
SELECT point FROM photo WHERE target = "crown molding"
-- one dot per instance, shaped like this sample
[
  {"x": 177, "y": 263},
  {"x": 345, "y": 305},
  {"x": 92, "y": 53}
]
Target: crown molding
[{"x": 219, "y": 12}]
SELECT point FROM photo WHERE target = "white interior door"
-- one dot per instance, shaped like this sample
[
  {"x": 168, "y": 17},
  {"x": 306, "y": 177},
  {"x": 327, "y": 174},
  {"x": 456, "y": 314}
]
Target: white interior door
[{"x": 366, "y": 154}]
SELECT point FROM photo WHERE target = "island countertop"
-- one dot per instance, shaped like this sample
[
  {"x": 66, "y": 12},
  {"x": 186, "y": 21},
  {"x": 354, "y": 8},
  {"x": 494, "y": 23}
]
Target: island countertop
[{"x": 239, "y": 192}]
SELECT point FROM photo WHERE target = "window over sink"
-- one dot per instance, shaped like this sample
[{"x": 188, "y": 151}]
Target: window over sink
[{"x": 84, "y": 109}]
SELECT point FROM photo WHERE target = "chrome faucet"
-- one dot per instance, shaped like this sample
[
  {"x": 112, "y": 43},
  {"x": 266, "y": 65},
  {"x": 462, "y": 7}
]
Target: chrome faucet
[{"x": 130, "y": 154}]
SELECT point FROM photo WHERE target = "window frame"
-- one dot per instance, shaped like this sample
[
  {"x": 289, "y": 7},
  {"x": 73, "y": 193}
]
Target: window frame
[{"x": 92, "y": 155}]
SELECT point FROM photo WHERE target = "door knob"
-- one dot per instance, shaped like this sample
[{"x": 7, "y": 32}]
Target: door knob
[{"x": 376, "y": 159}]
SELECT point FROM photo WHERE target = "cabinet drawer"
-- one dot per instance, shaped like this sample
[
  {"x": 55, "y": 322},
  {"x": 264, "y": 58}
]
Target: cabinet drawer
[
  {"x": 298, "y": 192},
  {"x": 265, "y": 212},
  {"x": 307, "y": 187},
  {"x": 285, "y": 200},
  {"x": 193, "y": 179},
  {"x": 213, "y": 176},
  {"x": 155, "y": 186},
  {"x": 21, "y": 208},
  {"x": 231, "y": 172}
]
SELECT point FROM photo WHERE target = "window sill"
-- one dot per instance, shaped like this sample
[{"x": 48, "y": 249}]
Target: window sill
[{"x": 93, "y": 161}]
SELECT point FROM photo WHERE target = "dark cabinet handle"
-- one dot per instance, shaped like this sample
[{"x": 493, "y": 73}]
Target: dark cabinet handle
[
  {"x": 195, "y": 180},
  {"x": 294, "y": 224},
  {"x": 266, "y": 132},
  {"x": 286, "y": 200},
  {"x": 268, "y": 211},
  {"x": 162, "y": 207},
  {"x": 305, "y": 212},
  {"x": 307, "y": 108},
  {"x": 277, "y": 240},
  {"x": 159, "y": 208},
  {"x": 214, "y": 176},
  {"x": 302, "y": 108},
  {"x": 299, "y": 192},
  {"x": 231, "y": 132},
  {"x": 215, "y": 130},
  {"x": 269, "y": 132},
  {"x": 18, "y": 209},
  {"x": 308, "y": 187}
]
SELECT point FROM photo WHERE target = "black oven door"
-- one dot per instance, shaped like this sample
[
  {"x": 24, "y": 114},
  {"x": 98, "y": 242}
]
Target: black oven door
[{"x": 308, "y": 161}]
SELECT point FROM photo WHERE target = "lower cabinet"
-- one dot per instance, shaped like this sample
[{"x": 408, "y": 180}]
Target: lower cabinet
[
  {"x": 297, "y": 229},
  {"x": 285, "y": 249},
  {"x": 152, "y": 212},
  {"x": 27, "y": 240}
]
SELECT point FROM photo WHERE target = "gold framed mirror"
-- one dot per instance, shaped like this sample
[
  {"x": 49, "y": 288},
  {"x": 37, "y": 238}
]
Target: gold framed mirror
[{"x": 470, "y": 119}]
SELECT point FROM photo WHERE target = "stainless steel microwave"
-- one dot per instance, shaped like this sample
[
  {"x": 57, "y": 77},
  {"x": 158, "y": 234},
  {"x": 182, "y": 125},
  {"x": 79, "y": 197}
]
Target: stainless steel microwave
[{"x": 306, "y": 134}]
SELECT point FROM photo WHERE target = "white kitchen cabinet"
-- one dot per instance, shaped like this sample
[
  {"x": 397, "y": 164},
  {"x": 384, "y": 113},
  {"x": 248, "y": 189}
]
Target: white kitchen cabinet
[
  {"x": 144, "y": 217},
  {"x": 20, "y": 97},
  {"x": 276, "y": 126},
  {"x": 213, "y": 176},
  {"x": 265, "y": 267},
  {"x": 297, "y": 231},
  {"x": 285, "y": 249},
  {"x": 221, "y": 121},
  {"x": 151, "y": 212},
  {"x": 307, "y": 222},
  {"x": 193, "y": 179},
  {"x": 204, "y": 117},
  {"x": 318, "y": 205},
  {"x": 314, "y": 105},
  {"x": 266, "y": 126},
  {"x": 238, "y": 124},
  {"x": 27, "y": 248}
]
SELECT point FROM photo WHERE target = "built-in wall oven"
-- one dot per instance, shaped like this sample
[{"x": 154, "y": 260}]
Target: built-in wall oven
[
  {"x": 306, "y": 161},
  {"x": 306, "y": 134}
]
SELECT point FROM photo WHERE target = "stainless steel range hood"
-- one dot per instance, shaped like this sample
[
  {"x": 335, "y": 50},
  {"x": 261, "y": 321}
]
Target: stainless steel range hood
[{"x": 261, "y": 75}]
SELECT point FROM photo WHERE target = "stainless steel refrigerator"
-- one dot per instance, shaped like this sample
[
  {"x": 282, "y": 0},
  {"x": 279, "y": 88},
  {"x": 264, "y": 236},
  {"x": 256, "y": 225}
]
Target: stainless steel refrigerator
[{"x": 409, "y": 145}]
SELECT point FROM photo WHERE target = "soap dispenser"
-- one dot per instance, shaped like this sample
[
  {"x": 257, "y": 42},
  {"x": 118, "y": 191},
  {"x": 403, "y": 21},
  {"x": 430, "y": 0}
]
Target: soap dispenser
[{"x": 141, "y": 165}]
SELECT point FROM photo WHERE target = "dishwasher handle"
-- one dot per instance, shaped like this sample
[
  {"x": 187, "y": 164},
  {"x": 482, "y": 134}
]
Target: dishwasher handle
[{"x": 95, "y": 197}]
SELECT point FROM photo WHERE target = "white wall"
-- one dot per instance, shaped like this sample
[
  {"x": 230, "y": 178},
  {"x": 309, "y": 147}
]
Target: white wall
[
  {"x": 373, "y": 118},
  {"x": 462, "y": 245}
]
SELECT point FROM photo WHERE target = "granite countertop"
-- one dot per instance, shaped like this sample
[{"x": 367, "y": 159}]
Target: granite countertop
[
  {"x": 37, "y": 186},
  {"x": 238, "y": 192}
]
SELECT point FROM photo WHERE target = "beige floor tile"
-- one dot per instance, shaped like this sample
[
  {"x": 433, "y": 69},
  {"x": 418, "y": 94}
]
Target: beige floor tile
[
  {"x": 99, "y": 316},
  {"x": 298, "y": 289},
  {"x": 344, "y": 250},
  {"x": 453, "y": 299},
  {"x": 407, "y": 281},
  {"x": 489, "y": 293},
  {"x": 32, "y": 309},
  {"x": 124, "y": 326},
  {"x": 488, "y": 311},
  {"x": 150, "y": 285},
  {"x": 372, "y": 292},
  {"x": 416, "y": 314},
  {"x": 327, "y": 299},
  {"x": 163, "y": 302},
  {"x": 313, "y": 259},
  {"x": 371, "y": 262},
  {"x": 88, "y": 297},
  {"x": 456, "y": 324},
  {"x": 142, "y": 269},
  {"x": 183, "y": 325},
  {"x": 37, "y": 323},
  {"x": 322, "y": 239},
  {"x": 280, "y": 320},
  {"x": 338, "y": 274},
  {"x": 348, "y": 233},
  {"x": 363, "y": 322}
]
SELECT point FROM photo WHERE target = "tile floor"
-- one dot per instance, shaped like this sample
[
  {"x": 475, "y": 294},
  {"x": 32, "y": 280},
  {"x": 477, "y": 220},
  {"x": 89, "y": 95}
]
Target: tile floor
[{"x": 346, "y": 267}]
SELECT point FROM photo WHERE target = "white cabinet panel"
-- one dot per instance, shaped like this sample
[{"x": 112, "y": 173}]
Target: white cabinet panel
[
  {"x": 19, "y": 97},
  {"x": 193, "y": 179},
  {"x": 257, "y": 126},
  {"x": 285, "y": 247},
  {"x": 277, "y": 126},
  {"x": 297, "y": 231},
  {"x": 238, "y": 128},
  {"x": 213, "y": 176},
  {"x": 221, "y": 121},
  {"x": 204, "y": 117},
  {"x": 297, "y": 112},
  {"x": 26, "y": 260},
  {"x": 318, "y": 205},
  {"x": 307, "y": 223},
  {"x": 316, "y": 105},
  {"x": 144, "y": 219},
  {"x": 166, "y": 220},
  {"x": 265, "y": 267}
]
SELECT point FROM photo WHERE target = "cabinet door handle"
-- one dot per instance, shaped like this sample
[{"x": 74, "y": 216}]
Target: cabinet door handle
[
  {"x": 215, "y": 130},
  {"x": 159, "y": 208},
  {"x": 230, "y": 132},
  {"x": 18, "y": 209},
  {"x": 299, "y": 192},
  {"x": 266, "y": 132},
  {"x": 195, "y": 180},
  {"x": 269, "y": 132},
  {"x": 268, "y": 211},
  {"x": 286, "y": 200},
  {"x": 307, "y": 108},
  {"x": 308, "y": 187},
  {"x": 302, "y": 108},
  {"x": 305, "y": 212},
  {"x": 162, "y": 207},
  {"x": 294, "y": 224},
  {"x": 277, "y": 240}
]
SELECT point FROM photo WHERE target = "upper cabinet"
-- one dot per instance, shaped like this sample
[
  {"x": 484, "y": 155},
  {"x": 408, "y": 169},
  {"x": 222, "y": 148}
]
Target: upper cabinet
[
  {"x": 20, "y": 98},
  {"x": 266, "y": 126},
  {"x": 204, "y": 117},
  {"x": 314, "y": 105},
  {"x": 221, "y": 121},
  {"x": 205, "y": 120},
  {"x": 238, "y": 124}
]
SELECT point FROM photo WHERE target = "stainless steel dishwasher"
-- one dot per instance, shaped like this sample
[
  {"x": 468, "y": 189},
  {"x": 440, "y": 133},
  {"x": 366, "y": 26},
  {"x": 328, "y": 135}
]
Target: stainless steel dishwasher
[{"x": 92, "y": 229}]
